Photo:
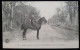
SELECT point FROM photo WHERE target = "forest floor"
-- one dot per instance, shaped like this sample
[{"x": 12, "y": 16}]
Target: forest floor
[{"x": 50, "y": 37}]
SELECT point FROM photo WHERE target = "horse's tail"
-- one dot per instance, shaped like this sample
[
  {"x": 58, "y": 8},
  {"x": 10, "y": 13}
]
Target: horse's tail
[{"x": 22, "y": 27}]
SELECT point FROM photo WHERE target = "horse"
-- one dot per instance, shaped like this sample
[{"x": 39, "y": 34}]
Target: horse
[{"x": 33, "y": 26}]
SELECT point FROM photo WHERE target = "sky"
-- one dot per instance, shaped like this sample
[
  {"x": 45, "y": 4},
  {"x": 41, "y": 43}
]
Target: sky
[{"x": 47, "y": 8}]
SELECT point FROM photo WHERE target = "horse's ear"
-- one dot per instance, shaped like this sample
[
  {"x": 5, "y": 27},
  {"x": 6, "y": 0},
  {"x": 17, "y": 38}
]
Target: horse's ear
[{"x": 43, "y": 17}]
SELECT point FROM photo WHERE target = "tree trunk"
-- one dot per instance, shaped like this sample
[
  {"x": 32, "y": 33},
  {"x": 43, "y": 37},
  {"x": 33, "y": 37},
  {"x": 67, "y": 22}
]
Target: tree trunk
[{"x": 11, "y": 14}]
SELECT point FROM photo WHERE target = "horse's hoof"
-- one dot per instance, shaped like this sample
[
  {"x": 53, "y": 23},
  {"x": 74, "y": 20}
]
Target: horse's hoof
[
  {"x": 38, "y": 38},
  {"x": 23, "y": 39}
]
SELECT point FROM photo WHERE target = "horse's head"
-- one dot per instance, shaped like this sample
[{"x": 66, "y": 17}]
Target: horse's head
[{"x": 44, "y": 20}]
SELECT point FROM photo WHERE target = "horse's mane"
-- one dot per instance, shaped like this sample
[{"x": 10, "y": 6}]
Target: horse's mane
[{"x": 40, "y": 20}]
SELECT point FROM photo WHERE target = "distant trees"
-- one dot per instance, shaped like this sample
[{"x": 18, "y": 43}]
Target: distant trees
[
  {"x": 14, "y": 13},
  {"x": 67, "y": 16},
  {"x": 72, "y": 9}
]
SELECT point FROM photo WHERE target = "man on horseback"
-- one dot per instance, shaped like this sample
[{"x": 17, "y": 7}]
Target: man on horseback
[
  {"x": 33, "y": 20},
  {"x": 32, "y": 24}
]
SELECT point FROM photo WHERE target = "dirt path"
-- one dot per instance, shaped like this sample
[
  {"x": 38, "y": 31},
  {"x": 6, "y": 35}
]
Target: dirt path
[{"x": 49, "y": 38}]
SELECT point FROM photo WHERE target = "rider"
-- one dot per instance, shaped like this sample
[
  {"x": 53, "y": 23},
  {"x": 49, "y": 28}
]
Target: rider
[{"x": 33, "y": 20}]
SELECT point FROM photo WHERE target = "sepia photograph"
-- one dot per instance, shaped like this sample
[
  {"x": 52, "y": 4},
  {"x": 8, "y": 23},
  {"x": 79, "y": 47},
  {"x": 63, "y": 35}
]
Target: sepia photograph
[{"x": 40, "y": 24}]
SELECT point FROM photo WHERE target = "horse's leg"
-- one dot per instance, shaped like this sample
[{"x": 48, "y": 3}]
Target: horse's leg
[
  {"x": 24, "y": 32},
  {"x": 37, "y": 34}
]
